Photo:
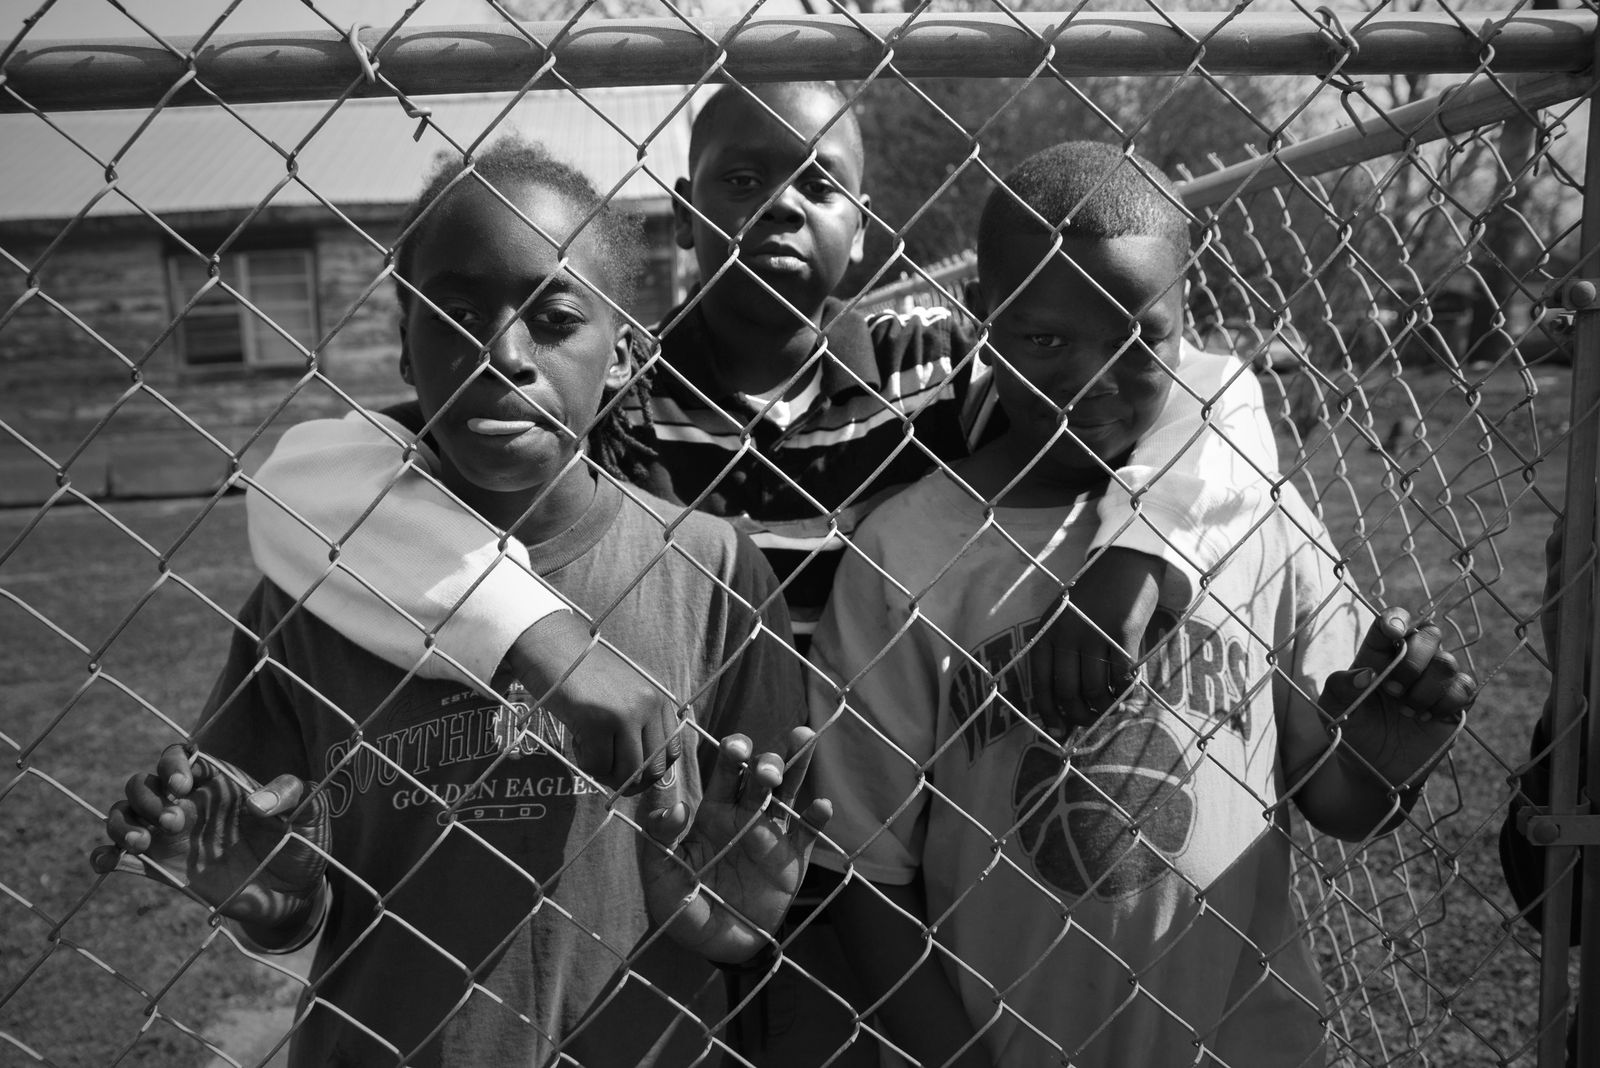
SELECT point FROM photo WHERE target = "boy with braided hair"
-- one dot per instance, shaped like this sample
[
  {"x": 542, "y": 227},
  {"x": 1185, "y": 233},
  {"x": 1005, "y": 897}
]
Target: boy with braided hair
[{"x": 477, "y": 898}]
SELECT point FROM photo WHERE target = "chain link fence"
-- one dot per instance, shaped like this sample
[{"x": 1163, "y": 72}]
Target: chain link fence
[{"x": 196, "y": 250}]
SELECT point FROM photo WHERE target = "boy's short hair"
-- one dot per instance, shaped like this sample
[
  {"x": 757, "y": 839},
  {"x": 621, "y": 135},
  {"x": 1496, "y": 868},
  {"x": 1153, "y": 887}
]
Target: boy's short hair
[
  {"x": 508, "y": 161},
  {"x": 618, "y": 239},
  {"x": 709, "y": 116},
  {"x": 1084, "y": 189}
]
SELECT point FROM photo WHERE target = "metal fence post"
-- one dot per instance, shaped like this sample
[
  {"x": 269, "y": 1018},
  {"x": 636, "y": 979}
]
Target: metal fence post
[{"x": 1576, "y": 661}]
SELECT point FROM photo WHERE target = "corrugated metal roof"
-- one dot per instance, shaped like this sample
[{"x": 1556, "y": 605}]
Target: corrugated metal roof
[{"x": 208, "y": 159}]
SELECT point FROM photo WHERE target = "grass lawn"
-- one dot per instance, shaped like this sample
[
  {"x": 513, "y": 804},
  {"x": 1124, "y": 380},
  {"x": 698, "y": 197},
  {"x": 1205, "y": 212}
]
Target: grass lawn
[
  {"x": 1416, "y": 933},
  {"x": 103, "y": 638},
  {"x": 107, "y": 640}
]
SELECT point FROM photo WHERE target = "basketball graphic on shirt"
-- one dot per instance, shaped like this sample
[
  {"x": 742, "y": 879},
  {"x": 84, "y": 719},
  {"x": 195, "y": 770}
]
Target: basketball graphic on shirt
[{"x": 1077, "y": 818}]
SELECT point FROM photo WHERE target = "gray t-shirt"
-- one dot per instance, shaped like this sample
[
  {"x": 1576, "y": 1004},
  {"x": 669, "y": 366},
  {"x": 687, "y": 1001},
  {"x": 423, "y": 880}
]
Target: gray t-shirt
[{"x": 487, "y": 900}]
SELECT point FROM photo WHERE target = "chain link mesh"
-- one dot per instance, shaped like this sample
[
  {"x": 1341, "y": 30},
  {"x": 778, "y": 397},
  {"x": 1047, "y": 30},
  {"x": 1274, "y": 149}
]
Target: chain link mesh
[{"x": 1392, "y": 275}]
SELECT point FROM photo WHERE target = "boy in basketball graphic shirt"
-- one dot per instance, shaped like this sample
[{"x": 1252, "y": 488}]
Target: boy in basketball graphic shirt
[{"x": 1116, "y": 892}]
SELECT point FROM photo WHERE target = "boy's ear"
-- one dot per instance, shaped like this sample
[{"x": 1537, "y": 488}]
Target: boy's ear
[
  {"x": 682, "y": 216},
  {"x": 972, "y": 296},
  {"x": 858, "y": 244},
  {"x": 405, "y": 357},
  {"x": 621, "y": 370}
]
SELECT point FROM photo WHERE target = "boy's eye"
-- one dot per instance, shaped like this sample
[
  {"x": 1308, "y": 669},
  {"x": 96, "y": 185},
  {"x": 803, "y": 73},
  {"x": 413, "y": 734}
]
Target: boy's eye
[
  {"x": 1152, "y": 332},
  {"x": 817, "y": 186},
  {"x": 462, "y": 315},
  {"x": 1048, "y": 341},
  {"x": 556, "y": 317}
]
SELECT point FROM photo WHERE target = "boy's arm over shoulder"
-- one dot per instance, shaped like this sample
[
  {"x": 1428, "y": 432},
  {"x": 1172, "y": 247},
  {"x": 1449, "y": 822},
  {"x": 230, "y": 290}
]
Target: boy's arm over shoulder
[
  {"x": 1192, "y": 489},
  {"x": 939, "y": 347},
  {"x": 413, "y": 561},
  {"x": 410, "y": 559},
  {"x": 1197, "y": 477}
]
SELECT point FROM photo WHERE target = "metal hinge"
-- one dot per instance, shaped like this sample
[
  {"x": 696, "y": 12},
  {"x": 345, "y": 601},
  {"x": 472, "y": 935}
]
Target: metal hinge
[
  {"x": 1566, "y": 301},
  {"x": 1580, "y": 294},
  {"x": 1571, "y": 829}
]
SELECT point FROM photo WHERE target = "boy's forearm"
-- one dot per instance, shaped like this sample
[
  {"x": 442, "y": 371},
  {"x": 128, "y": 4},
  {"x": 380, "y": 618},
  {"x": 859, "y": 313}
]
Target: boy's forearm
[
  {"x": 1355, "y": 774},
  {"x": 295, "y": 930},
  {"x": 1198, "y": 479},
  {"x": 924, "y": 1014},
  {"x": 1342, "y": 795}
]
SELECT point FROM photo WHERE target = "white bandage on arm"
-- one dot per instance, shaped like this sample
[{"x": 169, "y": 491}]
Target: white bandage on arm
[
  {"x": 418, "y": 562},
  {"x": 1193, "y": 485}
]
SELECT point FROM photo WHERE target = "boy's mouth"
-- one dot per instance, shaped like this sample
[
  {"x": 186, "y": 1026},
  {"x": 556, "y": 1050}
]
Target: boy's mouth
[
  {"x": 1087, "y": 423},
  {"x": 1090, "y": 416},
  {"x": 500, "y": 427},
  {"x": 776, "y": 260}
]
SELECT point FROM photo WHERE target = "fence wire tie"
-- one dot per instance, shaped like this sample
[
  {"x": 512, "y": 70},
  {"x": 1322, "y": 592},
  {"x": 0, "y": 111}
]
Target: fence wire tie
[
  {"x": 369, "y": 67},
  {"x": 1348, "y": 48},
  {"x": 1333, "y": 26},
  {"x": 1486, "y": 35},
  {"x": 422, "y": 114}
]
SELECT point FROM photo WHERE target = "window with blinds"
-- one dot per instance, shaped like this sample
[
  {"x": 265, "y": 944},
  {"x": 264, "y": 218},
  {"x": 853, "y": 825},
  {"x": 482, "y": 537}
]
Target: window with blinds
[{"x": 259, "y": 312}]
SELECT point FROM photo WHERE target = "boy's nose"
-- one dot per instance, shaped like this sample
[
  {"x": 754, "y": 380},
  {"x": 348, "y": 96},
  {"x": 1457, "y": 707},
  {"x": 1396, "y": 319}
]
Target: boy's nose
[
  {"x": 1081, "y": 393},
  {"x": 785, "y": 206},
  {"x": 511, "y": 353}
]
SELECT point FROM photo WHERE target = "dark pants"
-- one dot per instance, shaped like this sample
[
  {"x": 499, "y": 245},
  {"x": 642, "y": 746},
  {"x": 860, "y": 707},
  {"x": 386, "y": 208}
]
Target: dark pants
[{"x": 804, "y": 1014}]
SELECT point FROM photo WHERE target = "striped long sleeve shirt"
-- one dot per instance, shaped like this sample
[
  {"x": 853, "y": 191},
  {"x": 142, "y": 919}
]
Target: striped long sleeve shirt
[{"x": 895, "y": 394}]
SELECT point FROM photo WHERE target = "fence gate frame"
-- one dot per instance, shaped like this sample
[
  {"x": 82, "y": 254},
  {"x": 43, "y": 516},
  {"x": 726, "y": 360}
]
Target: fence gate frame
[
  {"x": 1576, "y": 671},
  {"x": 1549, "y": 56}
]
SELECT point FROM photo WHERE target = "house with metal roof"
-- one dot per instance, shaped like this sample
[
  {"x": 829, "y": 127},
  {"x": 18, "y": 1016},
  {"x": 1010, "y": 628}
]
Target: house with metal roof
[{"x": 168, "y": 279}]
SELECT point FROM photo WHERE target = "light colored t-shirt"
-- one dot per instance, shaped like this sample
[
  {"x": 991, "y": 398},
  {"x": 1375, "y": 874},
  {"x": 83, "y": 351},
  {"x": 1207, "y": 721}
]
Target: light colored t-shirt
[{"x": 1124, "y": 900}]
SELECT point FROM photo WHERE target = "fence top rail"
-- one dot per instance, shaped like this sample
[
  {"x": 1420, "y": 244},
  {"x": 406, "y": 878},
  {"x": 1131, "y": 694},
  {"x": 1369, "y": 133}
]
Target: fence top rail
[
  {"x": 1467, "y": 106},
  {"x": 125, "y": 73}
]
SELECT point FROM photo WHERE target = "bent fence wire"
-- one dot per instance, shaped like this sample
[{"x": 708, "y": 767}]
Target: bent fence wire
[{"x": 1394, "y": 233}]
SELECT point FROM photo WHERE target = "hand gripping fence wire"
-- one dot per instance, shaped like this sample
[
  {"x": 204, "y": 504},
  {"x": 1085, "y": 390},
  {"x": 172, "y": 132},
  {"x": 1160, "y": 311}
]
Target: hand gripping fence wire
[{"x": 1395, "y": 233}]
